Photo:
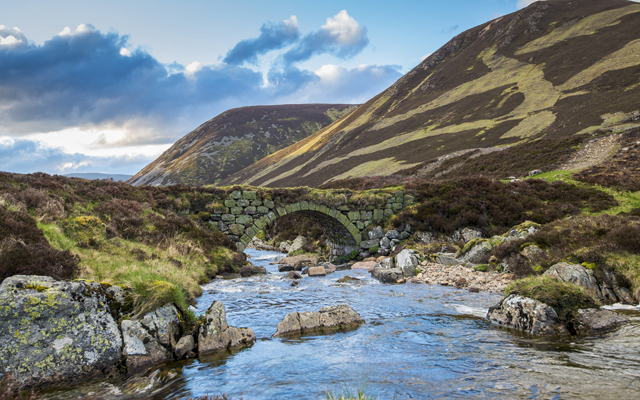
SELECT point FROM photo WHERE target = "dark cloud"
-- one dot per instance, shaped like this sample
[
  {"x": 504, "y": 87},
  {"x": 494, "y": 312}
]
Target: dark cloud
[
  {"x": 26, "y": 156},
  {"x": 341, "y": 36},
  {"x": 289, "y": 80},
  {"x": 272, "y": 37},
  {"x": 450, "y": 29}
]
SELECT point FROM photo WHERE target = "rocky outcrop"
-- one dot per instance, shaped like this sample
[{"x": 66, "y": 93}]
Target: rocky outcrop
[
  {"x": 527, "y": 315},
  {"x": 215, "y": 334},
  {"x": 57, "y": 332},
  {"x": 329, "y": 319},
  {"x": 606, "y": 291},
  {"x": 258, "y": 244},
  {"x": 476, "y": 249},
  {"x": 531, "y": 316}
]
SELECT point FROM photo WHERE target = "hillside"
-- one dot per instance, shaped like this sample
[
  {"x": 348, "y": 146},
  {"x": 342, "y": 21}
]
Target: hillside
[
  {"x": 234, "y": 140},
  {"x": 535, "y": 84}
]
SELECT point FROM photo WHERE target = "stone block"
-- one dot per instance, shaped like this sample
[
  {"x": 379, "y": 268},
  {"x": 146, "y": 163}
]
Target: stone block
[
  {"x": 288, "y": 208},
  {"x": 281, "y": 211},
  {"x": 235, "y": 195},
  {"x": 245, "y": 239},
  {"x": 222, "y": 226},
  {"x": 343, "y": 208},
  {"x": 354, "y": 215},
  {"x": 360, "y": 225},
  {"x": 396, "y": 206},
  {"x": 363, "y": 215},
  {"x": 304, "y": 205},
  {"x": 378, "y": 214},
  {"x": 250, "y": 210},
  {"x": 236, "y": 210},
  {"x": 399, "y": 196},
  {"x": 236, "y": 229},
  {"x": 408, "y": 200},
  {"x": 251, "y": 231},
  {"x": 272, "y": 216},
  {"x": 268, "y": 203},
  {"x": 249, "y": 195},
  {"x": 256, "y": 203},
  {"x": 367, "y": 223},
  {"x": 229, "y": 203},
  {"x": 228, "y": 217},
  {"x": 242, "y": 202},
  {"x": 295, "y": 207},
  {"x": 313, "y": 207},
  {"x": 245, "y": 220},
  {"x": 262, "y": 210},
  {"x": 261, "y": 223},
  {"x": 334, "y": 213},
  {"x": 367, "y": 244},
  {"x": 388, "y": 212}
]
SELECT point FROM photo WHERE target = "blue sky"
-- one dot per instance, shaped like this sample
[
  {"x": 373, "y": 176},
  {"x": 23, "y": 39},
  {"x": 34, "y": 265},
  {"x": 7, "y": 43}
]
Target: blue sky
[{"x": 106, "y": 86}]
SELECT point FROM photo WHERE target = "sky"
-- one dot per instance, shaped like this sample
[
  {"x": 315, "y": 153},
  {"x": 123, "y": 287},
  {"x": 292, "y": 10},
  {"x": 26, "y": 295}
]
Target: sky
[{"x": 108, "y": 85}]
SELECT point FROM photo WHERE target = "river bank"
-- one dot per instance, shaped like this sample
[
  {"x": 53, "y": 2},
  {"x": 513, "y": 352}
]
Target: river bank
[{"x": 418, "y": 340}]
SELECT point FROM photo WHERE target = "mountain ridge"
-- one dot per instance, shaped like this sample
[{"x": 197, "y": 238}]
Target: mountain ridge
[{"x": 553, "y": 69}]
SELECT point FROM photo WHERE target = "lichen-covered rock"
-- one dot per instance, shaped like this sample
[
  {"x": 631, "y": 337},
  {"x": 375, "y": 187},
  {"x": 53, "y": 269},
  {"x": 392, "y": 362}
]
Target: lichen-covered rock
[
  {"x": 527, "y": 315},
  {"x": 578, "y": 275},
  {"x": 388, "y": 275},
  {"x": 480, "y": 248},
  {"x": 594, "y": 320},
  {"x": 141, "y": 348},
  {"x": 165, "y": 323},
  {"x": 407, "y": 260},
  {"x": 328, "y": 319},
  {"x": 56, "y": 332},
  {"x": 216, "y": 335}
]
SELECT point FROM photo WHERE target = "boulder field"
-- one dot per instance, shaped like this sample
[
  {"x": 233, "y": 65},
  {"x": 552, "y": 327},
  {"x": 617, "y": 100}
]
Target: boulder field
[{"x": 63, "y": 332}]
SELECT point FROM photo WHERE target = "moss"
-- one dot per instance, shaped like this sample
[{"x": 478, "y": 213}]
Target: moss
[
  {"x": 39, "y": 288},
  {"x": 481, "y": 267}
]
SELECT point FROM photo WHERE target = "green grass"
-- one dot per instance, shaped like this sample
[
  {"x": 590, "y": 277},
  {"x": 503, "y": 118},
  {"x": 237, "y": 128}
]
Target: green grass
[
  {"x": 627, "y": 200},
  {"x": 155, "y": 280},
  {"x": 347, "y": 394}
]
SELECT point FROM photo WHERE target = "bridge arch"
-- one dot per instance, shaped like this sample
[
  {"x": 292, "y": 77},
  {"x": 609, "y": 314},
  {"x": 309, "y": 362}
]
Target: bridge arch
[{"x": 245, "y": 211}]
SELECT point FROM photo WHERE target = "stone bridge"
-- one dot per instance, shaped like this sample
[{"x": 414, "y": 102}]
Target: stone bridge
[{"x": 343, "y": 215}]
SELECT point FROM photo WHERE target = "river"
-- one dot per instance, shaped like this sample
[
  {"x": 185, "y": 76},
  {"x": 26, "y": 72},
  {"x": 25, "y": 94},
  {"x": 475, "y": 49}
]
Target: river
[{"x": 419, "y": 341}]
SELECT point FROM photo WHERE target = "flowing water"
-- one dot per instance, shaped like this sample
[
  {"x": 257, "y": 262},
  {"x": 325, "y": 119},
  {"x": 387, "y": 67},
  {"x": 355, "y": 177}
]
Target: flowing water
[{"x": 419, "y": 341}]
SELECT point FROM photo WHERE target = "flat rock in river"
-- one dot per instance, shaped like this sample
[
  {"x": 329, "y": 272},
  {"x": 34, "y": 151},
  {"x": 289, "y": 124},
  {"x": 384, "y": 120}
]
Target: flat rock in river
[{"x": 328, "y": 319}]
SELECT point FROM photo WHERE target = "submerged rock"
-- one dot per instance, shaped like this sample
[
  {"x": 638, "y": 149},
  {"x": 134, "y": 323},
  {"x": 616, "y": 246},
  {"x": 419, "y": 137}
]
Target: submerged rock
[
  {"x": 593, "y": 321},
  {"x": 57, "y": 332},
  {"x": 216, "y": 335},
  {"x": 347, "y": 278},
  {"x": 328, "y": 319},
  {"x": 141, "y": 349},
  {"x": 250, "y": 270}
]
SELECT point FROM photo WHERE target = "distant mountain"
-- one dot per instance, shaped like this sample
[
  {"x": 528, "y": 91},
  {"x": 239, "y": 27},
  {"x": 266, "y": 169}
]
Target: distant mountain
[
  {"x": 236, "y": 139},
  {"x": 550, "y": 71},
  {"x": 91, "y": 175}
]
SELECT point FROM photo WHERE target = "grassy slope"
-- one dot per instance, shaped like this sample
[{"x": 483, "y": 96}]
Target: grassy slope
[
  {"x": 118, "y": 234},
  {"x": 235, "y": 139},
  {"x": 554, "y": 69}
]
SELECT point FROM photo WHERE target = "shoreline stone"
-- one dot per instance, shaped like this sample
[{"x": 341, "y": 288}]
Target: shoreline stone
[{"x": 215, "y": 334}]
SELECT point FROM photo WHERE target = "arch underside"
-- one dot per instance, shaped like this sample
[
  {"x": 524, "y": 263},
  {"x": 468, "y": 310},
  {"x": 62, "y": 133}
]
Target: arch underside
[{"x": 331, "y": 227}]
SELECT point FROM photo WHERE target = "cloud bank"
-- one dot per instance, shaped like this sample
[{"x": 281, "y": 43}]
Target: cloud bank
[{"x": 87, "y": 79}]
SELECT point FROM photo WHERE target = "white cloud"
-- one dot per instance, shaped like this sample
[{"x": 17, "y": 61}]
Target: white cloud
[
  {"x": 344, "y": 28},
  {"x": 124, "y": 52},
  {"x": 11, "y": 36},
  {"x": 292, "y": 22}
]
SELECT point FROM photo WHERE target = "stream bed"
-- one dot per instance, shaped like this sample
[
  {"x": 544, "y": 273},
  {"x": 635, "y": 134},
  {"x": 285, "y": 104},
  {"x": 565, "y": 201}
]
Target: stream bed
[{"x": 419, "y": 341}]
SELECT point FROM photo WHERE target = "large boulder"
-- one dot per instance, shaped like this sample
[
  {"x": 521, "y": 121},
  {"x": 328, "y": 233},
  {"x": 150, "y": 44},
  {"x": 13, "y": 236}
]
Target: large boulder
[
  {"x": 57, "y": 332},
  {"x": 407, "y": 260},
  {"x": 297, "y": 244},
  {"x": 317, "y": 271},
  {"x": 328, "y": 319},
  {"x": 296, "y": 263},
  {"x": 478, "y": 249},
  {"x": 215, "y": 334},
  {"x": 388, "y": 275},
  {"x": 368, "y": 265},
  {"x": 578, "y": 275},
  {"x": 527, "y": 315}
]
